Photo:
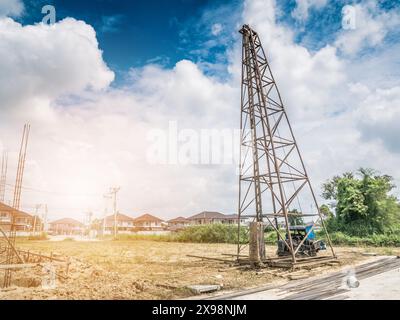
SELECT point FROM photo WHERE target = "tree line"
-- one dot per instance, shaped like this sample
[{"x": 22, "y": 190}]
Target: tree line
[{"x": 362, "y": 204}]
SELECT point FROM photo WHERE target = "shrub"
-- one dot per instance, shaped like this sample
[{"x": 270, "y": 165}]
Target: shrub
[
  {"x": 39, "y": 237},
  {"x": 212, "y": 233},
  {"x": 271, "y": 238},
  {"x": 69, "y": 239},
  {"x": 377, "y": 240},
  {"x": 220, "y": 233}
]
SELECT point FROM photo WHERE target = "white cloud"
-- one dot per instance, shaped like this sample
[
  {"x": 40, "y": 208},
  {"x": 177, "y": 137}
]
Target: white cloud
[
  {"x": 307, "y": 78},
  {"x": 303, "y": 7},
  {"x": 184, "y": 93},
  {"x": 12, "y": 8},
  {"x": 379, "y": 114},
  {"x": 49, "y": 61},
  {"x": 372, "y": 24}
]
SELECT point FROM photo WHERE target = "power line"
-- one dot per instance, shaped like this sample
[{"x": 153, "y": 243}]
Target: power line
[{"x": 55, "y": 192}]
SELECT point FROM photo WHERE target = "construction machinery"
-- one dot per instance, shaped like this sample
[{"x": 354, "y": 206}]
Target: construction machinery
[{"x": 302, "y": 239}]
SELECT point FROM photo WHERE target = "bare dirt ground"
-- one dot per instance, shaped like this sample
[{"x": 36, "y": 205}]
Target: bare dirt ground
[{"x": 148, "y": 270}]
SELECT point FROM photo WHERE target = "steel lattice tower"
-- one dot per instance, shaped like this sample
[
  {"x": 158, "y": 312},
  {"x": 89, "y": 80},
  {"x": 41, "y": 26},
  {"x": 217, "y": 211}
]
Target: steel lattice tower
[{"x": 274, "y": 187}]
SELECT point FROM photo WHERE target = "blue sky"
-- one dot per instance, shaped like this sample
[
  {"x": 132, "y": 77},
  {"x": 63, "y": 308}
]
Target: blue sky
[{"x": 135, "y": 33}]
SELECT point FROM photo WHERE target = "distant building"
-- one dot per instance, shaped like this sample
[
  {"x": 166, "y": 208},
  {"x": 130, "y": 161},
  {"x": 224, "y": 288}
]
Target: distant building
[
  {"x": 212, "y": 217},
  {"x": 178, "y": 223},
  {"x": 234, "y": 219},
  {"x": 124, "y": 223},
  {"x": 24, "y": 222},
  {"x": 207, "y": 217},
  {"x": 148, "y": 222},
  {"x": 66, "y": 226}
]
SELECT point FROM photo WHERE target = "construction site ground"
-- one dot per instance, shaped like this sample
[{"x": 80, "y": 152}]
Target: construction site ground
[{"x": 156, "y": 270}]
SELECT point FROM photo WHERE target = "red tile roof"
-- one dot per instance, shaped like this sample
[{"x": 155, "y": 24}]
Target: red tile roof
[
  {"x": 67, "y": 221},
  {"x": 179, "y": 219},
  {"x": 120, "y": 217},
  {"x": 208, "y": 215},
  {"x": 147, "y": 217},
  {"x": 232, "y": 216},
  {"x": 6, "y": 208}
]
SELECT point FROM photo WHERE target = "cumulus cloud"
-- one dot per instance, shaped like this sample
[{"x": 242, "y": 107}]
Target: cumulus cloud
[
  {"x": 307, "y": 78},
  {"x": 170, "y": 93},
  {"x": 12, "y": 8},
  {"x": 303, "y": 7},
  {"x": 379, "y": 114},
  {"x": 49, "y": 61}
]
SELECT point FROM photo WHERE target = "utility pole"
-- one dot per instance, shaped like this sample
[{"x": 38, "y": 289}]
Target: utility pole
[
  {"x": 44, "y": 222},
  {"x": 89, "y": 215},
  {"x": 37, "y": 207},
  {"x": 113, "y": 192},
  {"x": 106, "y": 197}
]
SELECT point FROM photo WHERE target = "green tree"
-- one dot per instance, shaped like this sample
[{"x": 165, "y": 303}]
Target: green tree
[
  {"x": 326, "y": 212},
  {"x": 364, "y": 205},
  {"x": 295, "y": 220}
]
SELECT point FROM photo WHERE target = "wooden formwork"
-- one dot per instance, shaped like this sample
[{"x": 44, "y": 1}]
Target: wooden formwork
[
  {"x": 276, "y": 262},
  {"x": 300, "y": 262}
]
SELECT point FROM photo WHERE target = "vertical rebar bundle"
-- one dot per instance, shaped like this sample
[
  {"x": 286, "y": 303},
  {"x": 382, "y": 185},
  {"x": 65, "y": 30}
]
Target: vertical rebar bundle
[
  {"x": 3, "y": 175},
  {"x": 21, "y": 167},
  {"x": 11, "y": 254},
  {"x": 274, "y": 187}
]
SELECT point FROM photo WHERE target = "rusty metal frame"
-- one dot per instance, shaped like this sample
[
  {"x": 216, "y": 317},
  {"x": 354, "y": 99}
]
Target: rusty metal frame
[
  {"x": 271, "y": 167},
  {"x": 3, "y": 175},
  {"x": 11, "y": 254}
]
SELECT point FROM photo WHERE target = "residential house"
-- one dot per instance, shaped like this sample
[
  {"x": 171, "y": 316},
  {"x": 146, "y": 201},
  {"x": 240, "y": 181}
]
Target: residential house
[
  {"x": 212, "y": 217},
  {"x": 66, "y": 226},
  {"x": 234, "y": 219},
  {"x": 178, "y": 223},
  {"x": 125, "y": 224},
  {"x": 149, "y": 222},
  {"x": 207, "y": 217},
  {"x": 23, "y": 222}
]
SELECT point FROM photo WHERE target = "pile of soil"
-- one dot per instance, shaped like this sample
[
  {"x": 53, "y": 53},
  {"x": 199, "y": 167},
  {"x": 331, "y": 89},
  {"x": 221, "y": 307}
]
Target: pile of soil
[{"x": 84, "y": 281}]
